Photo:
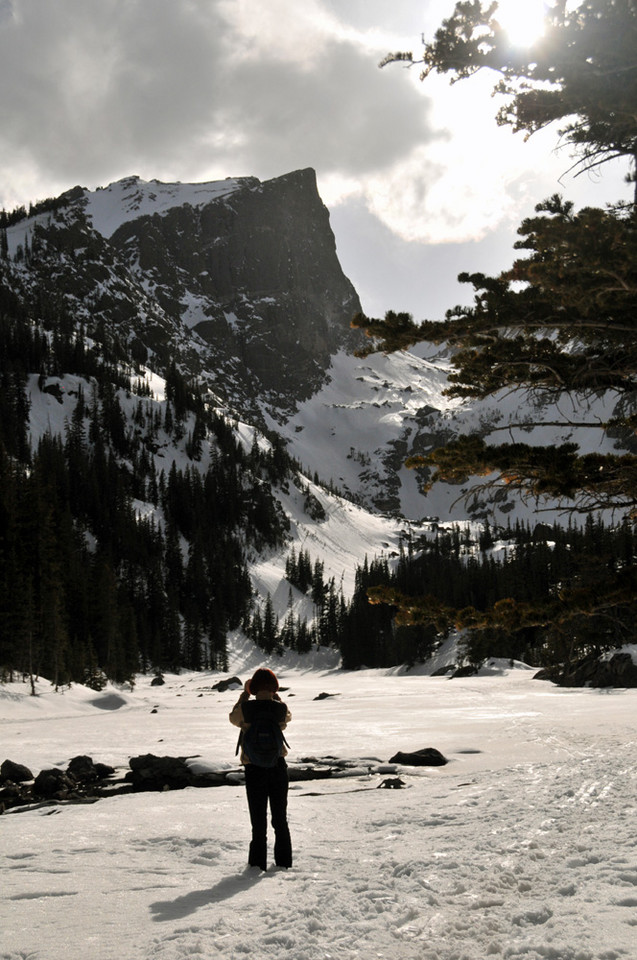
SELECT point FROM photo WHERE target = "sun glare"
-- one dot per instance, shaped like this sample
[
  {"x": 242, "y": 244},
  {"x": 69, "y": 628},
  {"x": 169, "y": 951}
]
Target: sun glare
[{"x": 523, "y": 20}]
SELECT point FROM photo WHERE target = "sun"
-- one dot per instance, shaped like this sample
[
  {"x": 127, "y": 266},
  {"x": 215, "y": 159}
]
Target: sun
[{"x": 523, "y": 20}]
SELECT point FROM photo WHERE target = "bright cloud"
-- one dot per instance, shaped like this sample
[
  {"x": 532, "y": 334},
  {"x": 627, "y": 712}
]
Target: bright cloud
[{"x": 196, "y": 90}]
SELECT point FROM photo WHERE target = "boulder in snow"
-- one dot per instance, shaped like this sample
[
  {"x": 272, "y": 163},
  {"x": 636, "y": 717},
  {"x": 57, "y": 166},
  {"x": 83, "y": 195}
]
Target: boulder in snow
[
  {"x": 428, "y": 757},
  {"x": 15, "y": 772},
  {"x": 231, "y": 683},
  {"x": 149, "y": 772},
  {"x": 53, "y": 784},
  {"x": 83, "y": 770}
]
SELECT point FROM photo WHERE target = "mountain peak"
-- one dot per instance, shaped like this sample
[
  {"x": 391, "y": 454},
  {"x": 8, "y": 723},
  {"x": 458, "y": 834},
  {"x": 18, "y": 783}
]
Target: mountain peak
[
  {"x": 236, "y": 280},
  {"x": 128, "y": 199},
  {"x": 131, "y": 198}
]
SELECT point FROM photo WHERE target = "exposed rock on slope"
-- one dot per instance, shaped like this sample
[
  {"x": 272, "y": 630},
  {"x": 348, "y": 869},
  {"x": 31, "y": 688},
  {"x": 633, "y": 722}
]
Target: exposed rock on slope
[
  {"x": 238, "y": 281},
  {"x": 255, "y": 274}
]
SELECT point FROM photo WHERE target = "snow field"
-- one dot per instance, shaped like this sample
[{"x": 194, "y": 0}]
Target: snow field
[{"x": 523, "y": 846}]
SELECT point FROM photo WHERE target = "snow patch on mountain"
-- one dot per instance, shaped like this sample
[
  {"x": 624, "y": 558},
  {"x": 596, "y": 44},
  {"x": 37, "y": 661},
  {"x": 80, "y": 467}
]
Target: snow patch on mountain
[
  {"x": 341, "y": 542},
  {"x": 345, "y": 432},
  {"x": 373, "y": 413},
  {"x": 130, "y": 198}
]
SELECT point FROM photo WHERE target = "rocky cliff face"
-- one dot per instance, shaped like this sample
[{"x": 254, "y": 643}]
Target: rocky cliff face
[
  {"x": 237, "y": 281},
  {"x": 254, "y": 275}
]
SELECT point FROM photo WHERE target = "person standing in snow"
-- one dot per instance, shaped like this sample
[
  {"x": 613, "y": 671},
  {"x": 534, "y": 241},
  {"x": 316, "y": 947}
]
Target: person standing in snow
[{"x": 265, "y": 784}]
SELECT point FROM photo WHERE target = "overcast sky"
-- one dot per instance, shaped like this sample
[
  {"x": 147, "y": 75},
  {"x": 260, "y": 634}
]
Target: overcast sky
[{"x": 419, "y": 180}]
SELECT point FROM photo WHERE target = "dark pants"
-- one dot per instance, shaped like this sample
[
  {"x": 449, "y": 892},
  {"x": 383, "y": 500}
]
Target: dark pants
[{"x": 265, "y": 784}]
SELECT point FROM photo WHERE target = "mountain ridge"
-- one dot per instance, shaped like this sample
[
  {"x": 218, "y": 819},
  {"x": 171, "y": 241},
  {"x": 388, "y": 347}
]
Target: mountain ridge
[
  {"x": 237, "y": 280},
  {"x": 184, "y": 421},
  {"x": 237, "y": 283}
]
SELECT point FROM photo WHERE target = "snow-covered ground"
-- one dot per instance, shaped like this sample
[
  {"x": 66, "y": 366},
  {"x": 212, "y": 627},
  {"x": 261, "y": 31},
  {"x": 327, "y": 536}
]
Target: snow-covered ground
[{"x": 523, "y": 846}]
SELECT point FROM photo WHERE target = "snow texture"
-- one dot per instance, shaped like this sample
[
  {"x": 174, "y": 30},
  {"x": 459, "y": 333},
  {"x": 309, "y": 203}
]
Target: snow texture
[
  {"x": 359, "y": 428},
  {"x": 522, "y": 846},
  {"x": 131, "y": 198}
]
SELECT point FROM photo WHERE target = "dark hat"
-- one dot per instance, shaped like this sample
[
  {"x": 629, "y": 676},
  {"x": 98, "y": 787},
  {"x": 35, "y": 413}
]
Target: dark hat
[{"x": 263, "y": 679}]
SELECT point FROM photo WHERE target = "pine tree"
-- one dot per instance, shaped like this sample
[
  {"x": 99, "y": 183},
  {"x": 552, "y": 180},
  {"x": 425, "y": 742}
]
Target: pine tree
[
  {"x": 270, "y": 636},
  {"x": 560, "y": 321},
  {"x": 581, "y": 72}
]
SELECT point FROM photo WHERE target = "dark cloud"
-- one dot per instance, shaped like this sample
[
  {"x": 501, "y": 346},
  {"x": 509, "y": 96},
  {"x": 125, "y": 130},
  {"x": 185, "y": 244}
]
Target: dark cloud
[
  {"x": 342, "y": 117},
  {"x": 92, "y": 87},
  {"x": 94, "y": 91}
]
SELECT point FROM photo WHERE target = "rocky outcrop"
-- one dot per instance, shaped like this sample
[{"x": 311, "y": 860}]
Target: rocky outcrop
[
  {"x": 240, "y": 287},
  {"x": 617, "y": 671},
  {"x": 149, "y": 772},
  {"x": 427, "y": 757},
  {"x": 15, "y": 772},
  {"x": 84, "y": 781},
  {"x": 254, "y": 274}
]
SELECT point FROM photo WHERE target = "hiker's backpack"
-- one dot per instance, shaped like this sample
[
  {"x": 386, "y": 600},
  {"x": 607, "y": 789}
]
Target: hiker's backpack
[{"x": 263, "y": 741}]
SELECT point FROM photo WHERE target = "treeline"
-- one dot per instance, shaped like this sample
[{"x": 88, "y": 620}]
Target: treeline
[
  {"x": 108, "y": 565},
  {"x": 456, "y": 579},
  {"x": 18, "y": 214},
  {"x": 8, "y": 218},
  {"x": 365, "y": 634}
]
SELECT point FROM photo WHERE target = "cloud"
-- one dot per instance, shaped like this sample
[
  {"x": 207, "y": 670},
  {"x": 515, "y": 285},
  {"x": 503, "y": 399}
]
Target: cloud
[
  {"x": 204, "y": 89},
  {"x": 341, "y": 118},
  {"x": 92, "y": 87},
  {"x": 195, "y": 89}
]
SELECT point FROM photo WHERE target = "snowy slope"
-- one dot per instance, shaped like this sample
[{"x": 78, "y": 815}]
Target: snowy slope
[
  {"x": 107, "y": 208},
  {"x": 130, "y": 198},
  {"x": 360, "y": 427},
  {"x": 342, "y": 434},
  {"x": 341, "y": 541},
  {"x": 522, "y": 847},
  {"x": 371, "y": 414}
]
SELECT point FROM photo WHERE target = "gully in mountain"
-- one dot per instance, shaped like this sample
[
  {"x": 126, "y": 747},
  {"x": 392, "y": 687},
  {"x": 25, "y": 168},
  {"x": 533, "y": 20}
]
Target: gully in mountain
[{"x": 263, "y": 750}]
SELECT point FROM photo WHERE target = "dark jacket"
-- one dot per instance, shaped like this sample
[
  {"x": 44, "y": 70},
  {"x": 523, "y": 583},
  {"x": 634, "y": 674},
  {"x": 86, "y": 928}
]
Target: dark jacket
[{"x": 241, "y": 713}]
